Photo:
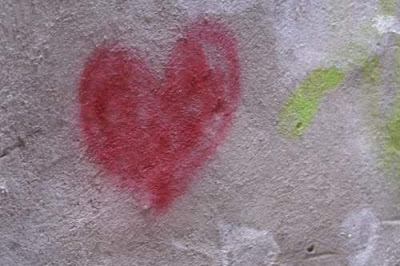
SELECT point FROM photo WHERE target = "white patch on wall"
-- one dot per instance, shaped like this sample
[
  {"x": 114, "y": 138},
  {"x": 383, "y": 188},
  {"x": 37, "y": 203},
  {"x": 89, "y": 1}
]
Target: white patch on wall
[
  {"x": 238, "y": 246},
  {"x": 387, "y": 24},
  {"x": 229, "y": 7},
  {"x": 242, "y": 245},
  {"x": 3, "y": 188},
  {"x": 359, "y": 231}
]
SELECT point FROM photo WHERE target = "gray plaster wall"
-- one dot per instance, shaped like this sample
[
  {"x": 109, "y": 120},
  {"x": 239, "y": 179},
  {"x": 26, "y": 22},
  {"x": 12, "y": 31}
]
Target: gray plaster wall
[{"x": 263, "y": 199}]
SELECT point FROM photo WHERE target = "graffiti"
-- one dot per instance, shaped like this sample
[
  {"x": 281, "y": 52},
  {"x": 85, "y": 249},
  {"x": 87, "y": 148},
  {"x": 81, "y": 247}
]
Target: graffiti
[
  {"x": 300, "y": 108},
  {"x": 156, "y": 135}
]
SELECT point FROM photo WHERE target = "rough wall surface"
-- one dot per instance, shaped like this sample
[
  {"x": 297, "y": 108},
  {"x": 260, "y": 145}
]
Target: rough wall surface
[{"x": 326, "y": 193}]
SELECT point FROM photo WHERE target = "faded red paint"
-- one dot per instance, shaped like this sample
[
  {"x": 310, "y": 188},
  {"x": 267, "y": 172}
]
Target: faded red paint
[{"x": 156, "y": 135}]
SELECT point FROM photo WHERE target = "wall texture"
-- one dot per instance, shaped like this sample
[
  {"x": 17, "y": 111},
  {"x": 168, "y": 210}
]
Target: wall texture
[{"x": 308, "y": 172}]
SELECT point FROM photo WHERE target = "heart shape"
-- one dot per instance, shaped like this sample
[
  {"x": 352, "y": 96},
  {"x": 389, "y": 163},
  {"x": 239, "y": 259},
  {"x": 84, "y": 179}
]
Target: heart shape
[{"x": 156, "y": 135}]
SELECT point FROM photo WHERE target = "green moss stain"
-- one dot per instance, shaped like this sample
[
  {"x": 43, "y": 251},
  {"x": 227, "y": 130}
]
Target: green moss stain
[
  {"x": 392, "y": 141},
  {"x": 371, "y": 80},
  {"x": 388, "y": 7},
  {"x": 392, "y": 144},
  {"x": 371, "y": 71},
  {"x": 355, "y": 55},
  {"x": 385, "y": 128},
  {"x": 299, "y": 110}
]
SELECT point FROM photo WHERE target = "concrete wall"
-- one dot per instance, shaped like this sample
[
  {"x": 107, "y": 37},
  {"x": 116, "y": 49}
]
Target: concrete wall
[{"x": 308, "y": 173}]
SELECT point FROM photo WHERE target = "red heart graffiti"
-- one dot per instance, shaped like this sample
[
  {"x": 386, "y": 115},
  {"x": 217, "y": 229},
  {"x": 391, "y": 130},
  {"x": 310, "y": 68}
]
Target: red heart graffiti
[{"x": 155, "y": 135}]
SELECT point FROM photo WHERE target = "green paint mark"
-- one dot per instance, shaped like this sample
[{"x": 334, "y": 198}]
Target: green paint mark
[
  {"x": 388, "y": 7},
  {"x": 300, "y": 107}
]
